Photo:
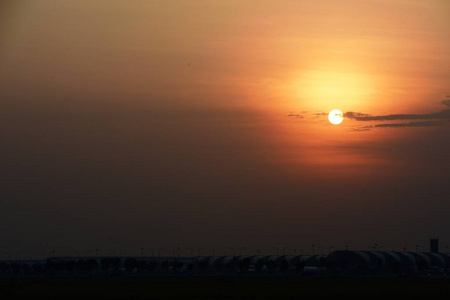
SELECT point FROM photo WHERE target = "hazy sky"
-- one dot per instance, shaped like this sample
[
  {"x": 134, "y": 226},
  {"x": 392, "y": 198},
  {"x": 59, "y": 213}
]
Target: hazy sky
[{"x": 203, "y": 124}]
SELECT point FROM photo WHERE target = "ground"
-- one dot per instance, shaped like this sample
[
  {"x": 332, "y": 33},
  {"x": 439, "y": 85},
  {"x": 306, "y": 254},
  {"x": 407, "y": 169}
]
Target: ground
[{"x": 221, "y": 288}]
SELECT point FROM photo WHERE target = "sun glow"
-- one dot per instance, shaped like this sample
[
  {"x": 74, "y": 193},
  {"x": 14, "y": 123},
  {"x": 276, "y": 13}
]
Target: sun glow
[
  {"x": 318, "y": 89},
  {"x": 335, "y": 116}
]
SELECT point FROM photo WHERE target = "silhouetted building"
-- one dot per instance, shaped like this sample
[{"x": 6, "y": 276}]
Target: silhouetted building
[{"x": 434, "y": 245}]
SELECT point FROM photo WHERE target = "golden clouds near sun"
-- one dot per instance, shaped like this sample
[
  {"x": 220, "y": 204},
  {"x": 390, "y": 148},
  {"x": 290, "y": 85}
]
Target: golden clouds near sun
[{"x": 335, "y": 116}]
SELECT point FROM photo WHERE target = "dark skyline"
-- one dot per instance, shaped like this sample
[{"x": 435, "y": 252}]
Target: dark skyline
[{"x": 202, "y": 124}]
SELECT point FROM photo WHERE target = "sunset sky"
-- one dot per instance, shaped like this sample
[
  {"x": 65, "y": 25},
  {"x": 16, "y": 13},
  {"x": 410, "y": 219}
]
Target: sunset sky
[{"x": 203, "y": 124}]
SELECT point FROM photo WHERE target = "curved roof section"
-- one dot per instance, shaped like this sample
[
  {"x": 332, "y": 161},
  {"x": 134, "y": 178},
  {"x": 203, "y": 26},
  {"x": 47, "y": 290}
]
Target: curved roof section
[
  {"x": 224, "y": 260},
  {"x": 269, "y": 258},
  {"x": 312, "y": 260},
  {"x": 407, "y": 258},
  {"x": 391, "y": 257},
  {"x": 212, "y": 260},
  {"x": 376, "y": 258},
  {"x": 346, "y": 258},
  {"x": 421, "y": 258},
  {"x": 303, "y": 258},
  {"x": 287, "y": 258},
  {"x": 204, "y": 259},
  {"x": 241, "y": 257},
  {"x": 446, "y": 257},
  {"x": 437, "y": 260},
  {"x": 364, "y": 255},
  {"x": 254, "y": 259}
]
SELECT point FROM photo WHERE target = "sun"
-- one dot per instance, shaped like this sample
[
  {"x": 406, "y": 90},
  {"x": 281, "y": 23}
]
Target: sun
[{"x": 335, "y": 116}]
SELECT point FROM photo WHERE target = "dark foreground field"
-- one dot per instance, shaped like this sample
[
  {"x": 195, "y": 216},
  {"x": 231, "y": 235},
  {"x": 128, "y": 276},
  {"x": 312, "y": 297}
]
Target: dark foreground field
[{"x": 221, "y": 288}]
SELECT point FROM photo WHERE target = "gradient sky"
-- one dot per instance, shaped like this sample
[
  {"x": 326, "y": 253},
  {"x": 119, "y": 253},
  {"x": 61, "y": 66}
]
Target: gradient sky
[{"x": 203, "y": 124}]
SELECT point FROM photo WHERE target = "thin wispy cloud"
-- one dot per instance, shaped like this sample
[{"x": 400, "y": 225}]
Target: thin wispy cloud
[
  {"x": 433, "y": 119},
  {"x": 446, "y": 102},
  {"x": 401, "y": 125},
  {"x": 443, "y": 114},
  {"x": 298, "y": 116}
]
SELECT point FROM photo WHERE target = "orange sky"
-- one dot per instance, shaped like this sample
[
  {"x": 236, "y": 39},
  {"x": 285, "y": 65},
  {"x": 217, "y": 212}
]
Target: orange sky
[
  {"x": 189, "y": 100},
  {"x": 377, "y": 57}
]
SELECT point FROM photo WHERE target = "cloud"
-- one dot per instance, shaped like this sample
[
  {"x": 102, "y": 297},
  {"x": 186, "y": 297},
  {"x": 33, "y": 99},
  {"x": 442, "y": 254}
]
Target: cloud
[
  {"x": 431, "y": 119},
  {"x": 438, "y": 118},
  {"x": 443, "y": 114},
  {"x": 401, "y": 125},
  {"x": 298, "y": 116},
  {"x": 411, "y": 124},
  {"x": 364, "y": 128},
  {"x": 446, "y": 102}
]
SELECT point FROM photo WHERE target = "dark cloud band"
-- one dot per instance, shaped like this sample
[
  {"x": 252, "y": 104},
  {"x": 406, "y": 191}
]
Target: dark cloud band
[
  {"x": 433, "y": 119},
  {"x": 443, "y": 114}
]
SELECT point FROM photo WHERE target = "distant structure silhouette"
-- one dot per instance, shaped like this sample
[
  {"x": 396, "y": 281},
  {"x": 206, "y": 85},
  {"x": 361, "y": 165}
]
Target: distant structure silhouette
[{"x": 339, "y": 263}]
